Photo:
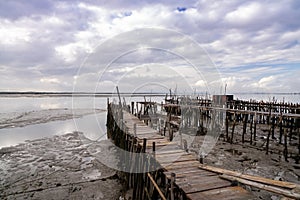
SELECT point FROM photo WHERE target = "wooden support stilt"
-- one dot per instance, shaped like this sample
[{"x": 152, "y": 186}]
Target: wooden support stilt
[
  {"x": 132, "y": 107},
  {"x": 173, "y": 177},
  {"x": 244, "y": 127},
  {"x": 285, "y": 151},
  {"x": 280, "y": 129},
  {"x": 268, "y": 139},
  {"x": 227, "y": 128},
  {"x": 233, "y": 126},
  {"x": 251, "y": 126},
  {"x": 273, "y": 127},
  {"x": 291, "y": 129},
  {"x": 254, "y": 131}
]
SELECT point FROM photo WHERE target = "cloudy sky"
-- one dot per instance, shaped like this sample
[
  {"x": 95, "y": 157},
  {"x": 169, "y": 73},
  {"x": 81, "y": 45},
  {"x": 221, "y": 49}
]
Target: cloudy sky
[{"x": 143, "y": 45}]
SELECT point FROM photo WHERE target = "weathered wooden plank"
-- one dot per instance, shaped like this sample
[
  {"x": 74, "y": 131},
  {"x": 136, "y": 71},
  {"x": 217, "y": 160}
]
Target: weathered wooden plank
[
  {"x": 202, "y": 184},
  {"x": 163, "y": 151},
  {"x": 288, "y": 193},
  {"x": 166, "y": 143},
  {"x": 151, "y": 140},
  {"x": 173, "y": 154},
  {"x": 176, "y": 165},
  {"x": 226, "y": 193},
  {"x": 186, "y": 169},
  {"x": 175, "y": 159},
  {"x": 190, "y": 173},
  {"x": 250, "y": 177}
]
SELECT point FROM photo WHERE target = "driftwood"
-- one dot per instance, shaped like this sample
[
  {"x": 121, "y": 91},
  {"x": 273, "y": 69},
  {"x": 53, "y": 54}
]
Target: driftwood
[{"x": 270, "y": 188}]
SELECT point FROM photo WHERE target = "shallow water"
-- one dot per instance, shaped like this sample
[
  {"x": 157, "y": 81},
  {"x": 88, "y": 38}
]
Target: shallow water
[{"x": 93, "y": 127}]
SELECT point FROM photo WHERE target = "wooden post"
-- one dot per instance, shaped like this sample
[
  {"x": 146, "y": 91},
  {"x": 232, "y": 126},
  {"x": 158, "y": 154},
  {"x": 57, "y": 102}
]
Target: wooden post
[
  {"x": 251, "y": 126},
  {"x": 142, "y": 173},
  {"x": 232, "y": 131},
  {"x": 255, "y": 123},
  {"x": 173, "y": 177},
  {"x": 268, "y": 139},
  {"x": 280, "y": 129},
  {"x": 153, "y": 149},
  {"x": 285, "y": 151},
  {"x": 269, "y": 132},
  {"x": 244, "y": 127},
  {"x": 134, "y": 129},
  {"x": 201, "y": 159},
  {"x": 144, "y": 145},
  {"x": 120, "y": 102},
  {"x": 185, "y": 146},
  {"x": 132, "y": 107},
  {"x": 273, "y": 127},
  {"x": 227, "y": 127},
  {"x": 291, "y": 129},
  {"x": 171, "y": 135}
]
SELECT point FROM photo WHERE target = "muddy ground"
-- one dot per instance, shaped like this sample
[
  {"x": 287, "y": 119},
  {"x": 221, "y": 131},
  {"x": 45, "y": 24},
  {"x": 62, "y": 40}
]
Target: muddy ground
[{"x": 60, "y": 167}]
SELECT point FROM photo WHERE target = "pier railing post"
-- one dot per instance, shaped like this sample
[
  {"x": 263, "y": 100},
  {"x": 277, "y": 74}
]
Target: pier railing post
[
  {"x": 134, "y": 129},
  {"x": 173, "y": 177}
]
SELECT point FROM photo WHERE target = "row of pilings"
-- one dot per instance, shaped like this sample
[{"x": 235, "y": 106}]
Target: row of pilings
[
  {"x": 280, "y": 121},
  {"x": 269, "y": 126},
  {"x": 142, "y": 174}
]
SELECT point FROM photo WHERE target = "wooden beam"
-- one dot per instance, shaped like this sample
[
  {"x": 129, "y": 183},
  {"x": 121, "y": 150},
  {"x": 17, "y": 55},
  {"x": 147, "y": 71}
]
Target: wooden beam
[
  {"x": 156, "y": 186},
  {"x": 270, "y": 188},
  {"x": 282, "y": 184}
]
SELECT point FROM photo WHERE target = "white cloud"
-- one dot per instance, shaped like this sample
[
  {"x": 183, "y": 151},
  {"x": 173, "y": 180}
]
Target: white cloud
[
  {"x": 10, "y": 34},
  {"x": 200, "y": 83},
  {"x": 50, "y": 80},
  {"x": 245, "y": 14},
  {"x": 49, "y": 39}
]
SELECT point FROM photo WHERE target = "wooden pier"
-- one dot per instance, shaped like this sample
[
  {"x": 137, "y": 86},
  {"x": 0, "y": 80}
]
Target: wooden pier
[{"x": 158, "y": 168}]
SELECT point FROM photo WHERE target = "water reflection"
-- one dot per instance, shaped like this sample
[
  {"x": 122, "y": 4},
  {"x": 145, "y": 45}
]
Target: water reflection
[{"x": 87, "y": 124}]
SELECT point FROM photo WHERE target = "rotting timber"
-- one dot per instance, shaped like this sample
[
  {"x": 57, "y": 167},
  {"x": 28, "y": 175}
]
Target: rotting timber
[{"x": 159, "y": 168}]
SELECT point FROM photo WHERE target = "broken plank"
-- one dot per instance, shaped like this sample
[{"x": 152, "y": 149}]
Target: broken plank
[
  {"x": 250, "y": 177},
  {"x": 274, "y": 189}
]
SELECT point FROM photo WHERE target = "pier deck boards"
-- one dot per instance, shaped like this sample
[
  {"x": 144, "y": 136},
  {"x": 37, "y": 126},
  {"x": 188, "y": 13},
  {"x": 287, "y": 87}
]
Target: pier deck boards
[{"x": 196, "y": 183}]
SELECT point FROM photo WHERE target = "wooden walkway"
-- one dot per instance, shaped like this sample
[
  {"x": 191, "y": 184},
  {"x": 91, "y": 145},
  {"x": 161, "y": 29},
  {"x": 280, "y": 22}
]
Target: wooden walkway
[{"x": 196, "y": 183}]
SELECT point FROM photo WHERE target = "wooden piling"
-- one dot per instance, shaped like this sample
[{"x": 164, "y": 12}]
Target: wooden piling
[
  {"x": 227, "y": 127},
  {"x": 254, "y": 128},
  {"x": 173, "y": 177},
  {"x": 280, "y": 129},
  {"x": 285, "y": 151},
  {"x": 251, "y": 126},
  {"x": 233, "y": 126},
  {"x": 244, "y": 127}
]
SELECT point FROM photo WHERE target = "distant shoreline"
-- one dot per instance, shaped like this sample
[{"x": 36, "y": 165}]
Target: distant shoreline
[
  {"x": 75, "y": 94},
  {"x": 104, "y": 94}
]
